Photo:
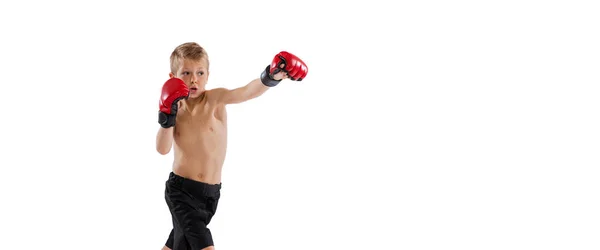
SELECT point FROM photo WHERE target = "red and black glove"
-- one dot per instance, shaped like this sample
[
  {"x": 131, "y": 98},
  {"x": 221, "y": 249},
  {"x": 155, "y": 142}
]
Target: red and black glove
[
  {"x": 173, "y": 90},
  {"x": 286, "y": 62}
]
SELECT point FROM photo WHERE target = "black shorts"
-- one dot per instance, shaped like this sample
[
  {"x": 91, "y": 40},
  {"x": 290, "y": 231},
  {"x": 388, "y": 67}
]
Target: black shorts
[{"x": 192, "y": 205}]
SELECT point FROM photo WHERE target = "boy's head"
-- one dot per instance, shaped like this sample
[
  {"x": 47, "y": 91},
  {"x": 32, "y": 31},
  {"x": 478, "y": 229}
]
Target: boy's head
[{"x": 189, "y": 62}]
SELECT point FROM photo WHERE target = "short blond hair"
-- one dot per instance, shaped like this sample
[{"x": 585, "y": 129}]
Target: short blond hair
[{"x": 190, "y": 51}]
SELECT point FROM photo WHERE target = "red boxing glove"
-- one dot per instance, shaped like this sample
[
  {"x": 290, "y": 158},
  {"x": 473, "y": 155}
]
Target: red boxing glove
[
  {"x": 284, "y": 61},
  {"x": 289, "y": 63},
  {"x": 173, "y": 90}
]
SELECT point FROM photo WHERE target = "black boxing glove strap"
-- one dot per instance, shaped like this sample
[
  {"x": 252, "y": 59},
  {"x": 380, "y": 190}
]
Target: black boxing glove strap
[
  {"x": 266, "y": 79},
  {"x": 166, "y": 120}
]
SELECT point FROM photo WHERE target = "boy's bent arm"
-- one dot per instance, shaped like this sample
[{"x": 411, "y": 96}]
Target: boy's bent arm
[
  {"x": 164, "y": 140},
  {"x": 173, "y": 91}
]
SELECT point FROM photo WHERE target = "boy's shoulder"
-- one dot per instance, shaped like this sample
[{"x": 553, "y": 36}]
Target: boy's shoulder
[
  {"x": 215, "y": 91},
  {"x": 216, "y": 94}
]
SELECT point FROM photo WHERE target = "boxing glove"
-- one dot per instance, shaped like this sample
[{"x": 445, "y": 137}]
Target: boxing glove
[
  {"x": 172, "y": 91},
  {"x": 284, "y": 61}
]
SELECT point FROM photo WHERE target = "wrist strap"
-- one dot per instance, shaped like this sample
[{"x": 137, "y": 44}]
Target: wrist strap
[
  {"x": 166, "y": 120},
  {"x": 266, "y": 79}
]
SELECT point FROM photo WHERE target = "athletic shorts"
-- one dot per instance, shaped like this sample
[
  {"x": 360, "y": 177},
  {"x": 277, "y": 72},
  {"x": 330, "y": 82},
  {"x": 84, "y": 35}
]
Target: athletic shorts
[{"x": 192, "y": 205}]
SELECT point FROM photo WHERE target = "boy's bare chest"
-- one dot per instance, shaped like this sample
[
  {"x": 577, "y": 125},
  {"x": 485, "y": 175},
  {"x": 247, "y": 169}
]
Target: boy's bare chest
[{"x": 201, "y": 120}]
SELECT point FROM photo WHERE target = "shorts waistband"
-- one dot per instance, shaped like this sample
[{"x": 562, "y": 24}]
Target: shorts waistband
[{"x": 196, "y": 186}]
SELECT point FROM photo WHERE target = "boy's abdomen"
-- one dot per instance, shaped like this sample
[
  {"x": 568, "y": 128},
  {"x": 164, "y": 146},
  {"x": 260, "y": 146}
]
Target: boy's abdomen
[{"x": 199, "y": 151}]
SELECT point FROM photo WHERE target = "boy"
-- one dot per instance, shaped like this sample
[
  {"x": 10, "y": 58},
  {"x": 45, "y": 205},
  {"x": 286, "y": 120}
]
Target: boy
[{"x": 194, "y": 122}]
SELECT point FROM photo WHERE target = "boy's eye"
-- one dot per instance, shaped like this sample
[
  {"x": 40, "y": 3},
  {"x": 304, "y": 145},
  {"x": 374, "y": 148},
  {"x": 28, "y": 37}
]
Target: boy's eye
[
  {"x": 200, "y": 73},
  {"x": 185, "y": 73}
]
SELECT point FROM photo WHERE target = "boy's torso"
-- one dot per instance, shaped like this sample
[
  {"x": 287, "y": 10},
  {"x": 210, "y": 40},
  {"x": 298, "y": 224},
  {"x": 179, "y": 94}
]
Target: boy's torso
[{"x": 200, "y": 140}]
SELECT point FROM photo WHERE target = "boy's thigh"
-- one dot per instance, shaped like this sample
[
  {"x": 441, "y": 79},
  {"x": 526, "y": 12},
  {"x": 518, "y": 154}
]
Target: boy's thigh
[
  {"x": 191, "y": 212},
  {"x": 190, "y": 223}
]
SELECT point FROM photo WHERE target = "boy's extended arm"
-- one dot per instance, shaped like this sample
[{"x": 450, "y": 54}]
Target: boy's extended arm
[
  {"x": 284, "y": 65},
  {"x": 253, "y": 89}
]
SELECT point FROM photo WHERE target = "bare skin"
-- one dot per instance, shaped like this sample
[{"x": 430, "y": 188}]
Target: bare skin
[{"x": 199, "y": 137}]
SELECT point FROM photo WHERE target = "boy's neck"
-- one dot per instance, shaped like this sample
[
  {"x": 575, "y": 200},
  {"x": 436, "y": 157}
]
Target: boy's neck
[{"x": 191, "y": 102}]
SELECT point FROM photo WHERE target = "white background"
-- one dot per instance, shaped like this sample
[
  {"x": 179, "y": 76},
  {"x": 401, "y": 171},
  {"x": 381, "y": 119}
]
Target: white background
[{"x": 420, "y": 125}]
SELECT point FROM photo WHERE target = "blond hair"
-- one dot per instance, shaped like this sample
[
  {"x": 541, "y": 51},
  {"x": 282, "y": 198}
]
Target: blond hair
[{"x": 190, "y": 51}]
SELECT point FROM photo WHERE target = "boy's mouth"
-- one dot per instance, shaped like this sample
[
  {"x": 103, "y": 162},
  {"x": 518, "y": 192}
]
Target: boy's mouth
[{"x": 193, "y": 89}]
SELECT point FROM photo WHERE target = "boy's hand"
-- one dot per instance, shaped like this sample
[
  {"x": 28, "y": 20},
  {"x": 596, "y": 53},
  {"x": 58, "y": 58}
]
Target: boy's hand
[
  {"x": 280, "y": 76},
  {"x": 284, "y": 65},
  {"x": 173, "y": 91}
]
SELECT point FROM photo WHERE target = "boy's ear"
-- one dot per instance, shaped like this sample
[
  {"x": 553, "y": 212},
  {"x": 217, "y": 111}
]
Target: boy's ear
[{"x": 171, "y": 75}]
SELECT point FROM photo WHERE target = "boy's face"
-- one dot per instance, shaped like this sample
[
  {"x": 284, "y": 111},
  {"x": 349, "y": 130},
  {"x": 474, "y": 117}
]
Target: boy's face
[{"x": 194, "y": 74}]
